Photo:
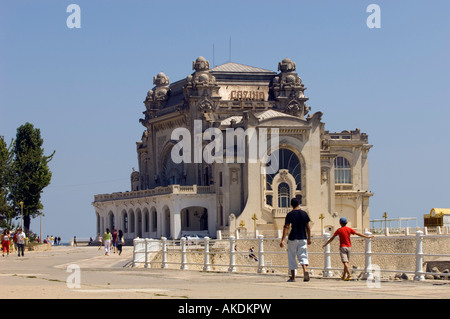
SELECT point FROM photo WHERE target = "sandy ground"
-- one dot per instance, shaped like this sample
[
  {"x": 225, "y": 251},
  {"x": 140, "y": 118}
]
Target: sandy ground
[{"x": 55, "y": 274}]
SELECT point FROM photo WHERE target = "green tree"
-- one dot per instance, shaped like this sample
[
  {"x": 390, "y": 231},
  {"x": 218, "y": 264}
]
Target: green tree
[
  {"x": 31, "y": 173},
  {"x": 6, "y": 156}
]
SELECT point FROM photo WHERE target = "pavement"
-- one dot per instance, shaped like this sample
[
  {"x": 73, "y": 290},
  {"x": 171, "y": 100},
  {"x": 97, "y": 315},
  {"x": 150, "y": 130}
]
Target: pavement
[{"x": 86, "y": 273}]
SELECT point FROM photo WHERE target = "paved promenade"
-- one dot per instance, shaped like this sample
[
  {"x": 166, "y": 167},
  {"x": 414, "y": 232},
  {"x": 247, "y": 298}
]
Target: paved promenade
[{"x": 45, "y": 274}]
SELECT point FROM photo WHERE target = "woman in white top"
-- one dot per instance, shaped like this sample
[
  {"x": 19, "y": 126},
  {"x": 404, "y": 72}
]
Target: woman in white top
[{"x": 107, "y": 241}]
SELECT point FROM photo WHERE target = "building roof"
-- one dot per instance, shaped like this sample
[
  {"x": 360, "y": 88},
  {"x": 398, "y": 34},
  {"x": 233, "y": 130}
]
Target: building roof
[
  {"x": 264, "y": 115},
  {"x": 271, "y": 114},
  {"x": 438, "y": 212},
  {"x": 232, "y": 67}
]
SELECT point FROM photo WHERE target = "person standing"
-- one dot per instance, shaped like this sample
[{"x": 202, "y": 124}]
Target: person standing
[
  {"x": 107, "y": 241},
  {"x": 20, "y": 242},
  {"x": 114, "y": 239},
  {"x": 15, "y": 238},
  {"x": 99, "y": 241},
  {"x": 5, "y": 242},
  {"x": 120, "y": 241},
  {"x": 345, "y": 245},
  {"x": 298, "y": 239}
]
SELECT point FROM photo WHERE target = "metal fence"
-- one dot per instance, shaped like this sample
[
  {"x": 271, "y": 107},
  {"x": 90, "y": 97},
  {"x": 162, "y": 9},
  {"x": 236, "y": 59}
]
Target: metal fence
[{"x": 146, "y": 250}]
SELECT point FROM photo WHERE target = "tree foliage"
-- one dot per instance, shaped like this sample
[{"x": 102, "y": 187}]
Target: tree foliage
[
  {"x": 6, "y": 156},
  {"x": 30, "y": 173}
]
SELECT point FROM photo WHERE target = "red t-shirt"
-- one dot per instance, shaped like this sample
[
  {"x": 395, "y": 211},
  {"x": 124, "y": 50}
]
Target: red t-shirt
[{"x": 344, "y": 236}]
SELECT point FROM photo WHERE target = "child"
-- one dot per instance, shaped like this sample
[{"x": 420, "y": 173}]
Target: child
[{"x": 345, "y": 245}]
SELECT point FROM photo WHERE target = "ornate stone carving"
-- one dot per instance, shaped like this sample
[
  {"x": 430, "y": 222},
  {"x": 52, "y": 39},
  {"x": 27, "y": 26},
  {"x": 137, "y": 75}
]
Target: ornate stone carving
[
  {"x": 201, "y": 86},
  {"x": 287, "y": 89},
  {"x": 286, "y": 65},
  {"x": 201, "y": 64},
  {"x": 135, "y": 176},
  {"x": 284, "y": 173},
  {"x": 234, "y": 176},
  {"x": 205, "y": 104},
  {"x": 157, "y": 97}
]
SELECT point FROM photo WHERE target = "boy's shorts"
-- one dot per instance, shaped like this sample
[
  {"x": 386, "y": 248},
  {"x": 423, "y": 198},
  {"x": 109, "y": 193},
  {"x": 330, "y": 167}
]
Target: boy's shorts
[{"x": 345, "y": 254}]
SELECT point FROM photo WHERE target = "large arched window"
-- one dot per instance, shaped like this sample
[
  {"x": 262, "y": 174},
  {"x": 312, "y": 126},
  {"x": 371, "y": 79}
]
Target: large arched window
[
  {"x": 342, "y": 171},
  {"x": 283, "y": 195},
  {"x": 286, "y": 183},
  {"x": 286, "y": 160}
]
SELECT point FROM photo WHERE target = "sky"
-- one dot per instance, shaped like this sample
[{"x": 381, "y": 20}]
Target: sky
[{"x": 84, "y": 87}]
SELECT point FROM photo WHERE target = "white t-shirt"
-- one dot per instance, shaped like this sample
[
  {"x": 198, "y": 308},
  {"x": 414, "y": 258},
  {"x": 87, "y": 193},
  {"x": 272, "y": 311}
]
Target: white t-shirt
[{"x": 21, "y": 238}]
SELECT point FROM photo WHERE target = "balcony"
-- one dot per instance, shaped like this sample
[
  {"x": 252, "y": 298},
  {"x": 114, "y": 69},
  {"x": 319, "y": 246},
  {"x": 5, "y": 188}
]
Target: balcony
[{"x": 161, "y": 190}]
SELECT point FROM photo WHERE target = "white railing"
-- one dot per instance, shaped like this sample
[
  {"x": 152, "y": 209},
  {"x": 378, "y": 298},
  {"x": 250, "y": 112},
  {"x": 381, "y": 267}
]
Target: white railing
[{"x": 145, "y": 249}]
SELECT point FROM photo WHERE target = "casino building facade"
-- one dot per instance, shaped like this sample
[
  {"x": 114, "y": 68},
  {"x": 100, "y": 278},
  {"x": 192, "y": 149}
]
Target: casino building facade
[{"x": 190, "y": 180}]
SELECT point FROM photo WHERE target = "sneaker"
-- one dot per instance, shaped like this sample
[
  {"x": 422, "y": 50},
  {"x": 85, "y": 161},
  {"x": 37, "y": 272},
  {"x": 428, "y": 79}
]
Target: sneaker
[
  {"x": 306, "y": 276},
  {"x": 348, "y": 278}
]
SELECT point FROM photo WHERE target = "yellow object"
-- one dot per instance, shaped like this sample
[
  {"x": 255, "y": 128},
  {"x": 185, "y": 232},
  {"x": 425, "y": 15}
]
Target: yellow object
[{"x": 435, "y": 217}]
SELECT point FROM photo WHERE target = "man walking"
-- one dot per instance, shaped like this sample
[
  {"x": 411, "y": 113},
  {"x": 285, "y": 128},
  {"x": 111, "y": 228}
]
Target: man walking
[
  {"x": 299, "y": 238},
  {"x": 20, "y": 242}
]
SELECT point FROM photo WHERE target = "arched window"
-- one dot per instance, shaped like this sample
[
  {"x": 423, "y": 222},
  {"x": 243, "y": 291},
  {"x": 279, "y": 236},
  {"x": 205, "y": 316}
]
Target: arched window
[
  {"x": 286, "y": 160},
  {"x": 342, "y": 171},
  {"x": 146, "y": 221},
  {"x": 155, "y": 221},
  {"x": 125, "y": 223},
  {"x": 283, "y": 195}
]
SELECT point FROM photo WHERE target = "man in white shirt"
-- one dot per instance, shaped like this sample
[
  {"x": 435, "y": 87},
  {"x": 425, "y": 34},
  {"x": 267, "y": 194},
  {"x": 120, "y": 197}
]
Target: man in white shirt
[{"x": 20, "y": 242}]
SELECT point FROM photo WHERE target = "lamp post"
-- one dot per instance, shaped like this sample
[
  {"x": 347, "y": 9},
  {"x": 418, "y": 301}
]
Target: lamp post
[
  {"x": 385, "y": 222},
  {"x": 254, "y": 222},
  {"x": 321, "y": 217},
  {"x": 21, "y": 214},
  {"x": 40, "y": 229}
]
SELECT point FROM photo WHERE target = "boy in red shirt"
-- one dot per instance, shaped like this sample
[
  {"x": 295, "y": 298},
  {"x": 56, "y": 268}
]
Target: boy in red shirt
[{"x": 345, "y": 245}]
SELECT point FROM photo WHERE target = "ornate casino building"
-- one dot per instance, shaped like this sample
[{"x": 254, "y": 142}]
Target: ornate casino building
[{"x": 218, "y": 187}]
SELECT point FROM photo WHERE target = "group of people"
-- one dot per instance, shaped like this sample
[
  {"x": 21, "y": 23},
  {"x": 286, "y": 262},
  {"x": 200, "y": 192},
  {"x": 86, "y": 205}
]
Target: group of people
[
  {"x": 114, "y": 241},
  {"x": 300, "y": 236},
  {"x": 52, "y": 240},
  {"x": 16, "y": 240}
]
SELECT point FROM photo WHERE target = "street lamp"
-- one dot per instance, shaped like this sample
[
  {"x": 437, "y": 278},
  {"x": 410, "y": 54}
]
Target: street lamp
[
  {"x": 40, "y": 228},
  {"x": 254, "y": 222},
  {"x": 21, "y": 214},
  {"x": 385, "y": 223},
  {"x": 321, "y": 217}
]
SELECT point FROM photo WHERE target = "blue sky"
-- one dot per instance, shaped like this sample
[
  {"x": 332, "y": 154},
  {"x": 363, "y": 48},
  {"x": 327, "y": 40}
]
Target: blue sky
[{"x": 84, "y": 87}]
